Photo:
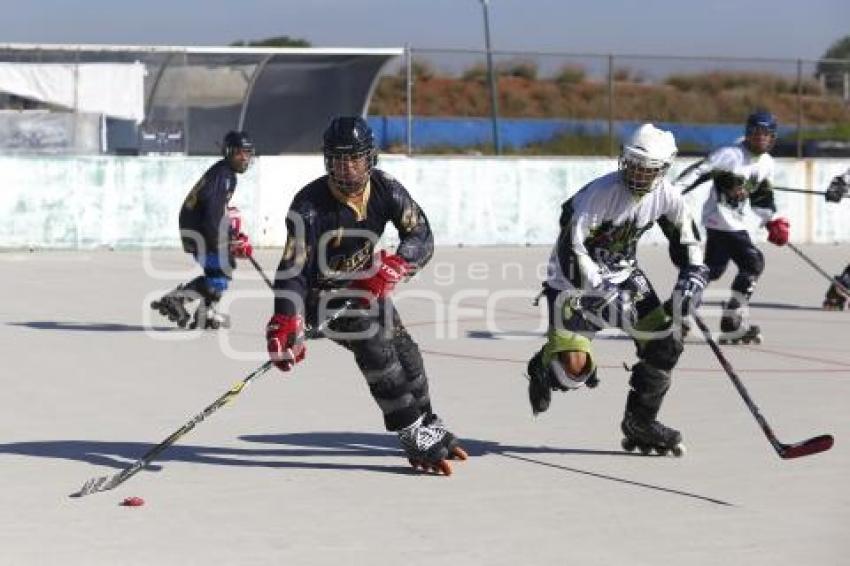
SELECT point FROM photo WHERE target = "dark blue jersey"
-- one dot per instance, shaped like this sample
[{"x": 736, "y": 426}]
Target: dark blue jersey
[
  {"x": 202, "y": 217},
  {"x": 328, "y": 239}
]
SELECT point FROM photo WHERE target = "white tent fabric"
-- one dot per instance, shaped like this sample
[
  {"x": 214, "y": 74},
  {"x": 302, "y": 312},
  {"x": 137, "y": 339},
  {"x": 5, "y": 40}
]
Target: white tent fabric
[{"x": 112, "y": 89}]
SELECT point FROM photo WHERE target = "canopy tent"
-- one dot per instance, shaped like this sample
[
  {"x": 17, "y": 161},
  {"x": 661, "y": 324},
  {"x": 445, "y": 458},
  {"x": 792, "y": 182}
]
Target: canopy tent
[
  {"x": 116, "y": 90},
  {"x": 183, "y": 99}
]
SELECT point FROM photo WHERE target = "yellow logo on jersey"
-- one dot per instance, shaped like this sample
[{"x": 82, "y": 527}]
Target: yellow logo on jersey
[{"x": 192, "y": 198}]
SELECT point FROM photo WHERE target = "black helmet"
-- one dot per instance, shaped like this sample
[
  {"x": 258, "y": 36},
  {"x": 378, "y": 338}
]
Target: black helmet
[
  {"x": 349, "y": 137},
  {"x": 236, "y": 140}
]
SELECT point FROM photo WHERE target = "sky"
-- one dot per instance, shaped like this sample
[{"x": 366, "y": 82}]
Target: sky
[{"x": 727, "y": 28}]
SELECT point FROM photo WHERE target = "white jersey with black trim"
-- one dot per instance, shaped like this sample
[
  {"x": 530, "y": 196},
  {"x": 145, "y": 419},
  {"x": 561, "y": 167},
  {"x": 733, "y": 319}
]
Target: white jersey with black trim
[
  {"x": 600, "y": 228},
  {"x": 718, "y": 213}
]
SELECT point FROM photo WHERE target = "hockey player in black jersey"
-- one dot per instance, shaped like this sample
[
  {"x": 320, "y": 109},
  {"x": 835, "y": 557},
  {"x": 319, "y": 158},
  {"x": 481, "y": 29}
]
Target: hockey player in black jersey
[
  {"x": 333, "y": 226},
  {"x": 210, "y": 230}
]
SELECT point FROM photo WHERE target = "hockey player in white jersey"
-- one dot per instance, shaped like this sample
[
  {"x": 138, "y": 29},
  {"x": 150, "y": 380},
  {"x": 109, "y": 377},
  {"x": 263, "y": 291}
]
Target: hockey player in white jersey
[
  {"x": 594, "y": 282},
  {"x": 741, "y": 176},
  {"x": 835, "y": 299}
]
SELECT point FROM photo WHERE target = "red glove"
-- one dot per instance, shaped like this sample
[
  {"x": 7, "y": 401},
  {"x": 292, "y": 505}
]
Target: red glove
[
  {"x": 241, "y": 247},
  {"x": 390, "y": 270},
  {"x": 285, "y": 341},
  {"x": 234, "y": 218},
  {"x": 778, "y": 231}
]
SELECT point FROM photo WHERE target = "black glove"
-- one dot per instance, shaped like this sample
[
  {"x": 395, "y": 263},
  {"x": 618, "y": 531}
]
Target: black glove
[
  {"x": 607, "y": 305},
  {"x": 687, "y": 293},
  {"x": 837, "y": 190}
]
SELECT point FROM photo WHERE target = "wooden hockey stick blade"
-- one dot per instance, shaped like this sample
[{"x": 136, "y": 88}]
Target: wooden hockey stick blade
[{"x": 807, "y": 447}]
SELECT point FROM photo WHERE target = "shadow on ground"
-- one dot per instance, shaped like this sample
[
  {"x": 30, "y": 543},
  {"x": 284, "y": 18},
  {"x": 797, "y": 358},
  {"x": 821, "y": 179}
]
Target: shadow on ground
[
  {"x": 312, "y": 451},
  {"x": 89, "y": 326}
]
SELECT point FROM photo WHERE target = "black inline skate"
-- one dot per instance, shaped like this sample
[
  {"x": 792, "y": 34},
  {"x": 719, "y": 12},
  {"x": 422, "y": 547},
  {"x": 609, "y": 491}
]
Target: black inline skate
[
  {"x": 173, "y": 306},
  {"x": 732, "y": 328},
  {"x": 650, "y": 436},
  {"x": 208, "y": 317}
]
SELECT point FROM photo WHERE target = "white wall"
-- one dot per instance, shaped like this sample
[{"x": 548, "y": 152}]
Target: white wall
[{"x": 86, "y": 202}]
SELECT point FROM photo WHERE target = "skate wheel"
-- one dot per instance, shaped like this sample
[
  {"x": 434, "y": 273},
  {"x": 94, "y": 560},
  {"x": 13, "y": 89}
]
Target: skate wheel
[
  {"x": 678, "y": 451},
  {"x": 757, "y": 340},
  {"x": 628, "y": 445},
  {"x": 155, "y": 305},
  {"x": 724, "y": 342},
  {"x": 661, "y": 450},
  {"x": 645, "y": 450},
  {"x": 214, "y": 324}
]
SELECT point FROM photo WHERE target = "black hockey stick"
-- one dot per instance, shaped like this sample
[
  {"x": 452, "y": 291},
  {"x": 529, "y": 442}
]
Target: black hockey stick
[
  {"x": 841, "y": 288},
  {"x": 262, "y": 273},
  {"x": 786, "y": 451},
  {"x": 105, "y": 483},
  {"x": 803, "y": 191}
]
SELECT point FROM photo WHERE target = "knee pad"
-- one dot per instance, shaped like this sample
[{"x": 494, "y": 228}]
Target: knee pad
[
  {"x": 649, "y": 385},
  {"x": 408, "y": 353},
  {"x": 373, "y": 354},
  {"x": 663, "y": 353},
  {"x": 752, "y": 262},
  {"x": 649, "y": 380}
]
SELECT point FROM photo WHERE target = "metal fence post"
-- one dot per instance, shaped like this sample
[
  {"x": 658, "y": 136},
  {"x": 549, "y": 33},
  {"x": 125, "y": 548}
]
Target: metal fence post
[
  {"x": 494, "y": 97},
  {"x": 409, "y": 98},
  {"x": 610, "y": 105},
  {"x": 799, "y": 108}
]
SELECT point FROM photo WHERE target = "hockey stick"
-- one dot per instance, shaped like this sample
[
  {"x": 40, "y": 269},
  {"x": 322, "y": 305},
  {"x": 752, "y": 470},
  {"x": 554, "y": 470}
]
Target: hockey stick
[
  {"x": 786, "y": 451},
  {"x": 841, "y": 288},
  {"x": 260, "y": 271},
  {"x": 803, "y": 191},
  {"x": 105, "y": 483}
]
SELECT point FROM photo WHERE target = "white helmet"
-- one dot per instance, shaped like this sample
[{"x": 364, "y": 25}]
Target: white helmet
[{"x": 646, "y": 158}]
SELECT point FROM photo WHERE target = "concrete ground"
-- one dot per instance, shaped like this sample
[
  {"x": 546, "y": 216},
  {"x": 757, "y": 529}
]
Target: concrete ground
[{"x": 298, "y": 470}]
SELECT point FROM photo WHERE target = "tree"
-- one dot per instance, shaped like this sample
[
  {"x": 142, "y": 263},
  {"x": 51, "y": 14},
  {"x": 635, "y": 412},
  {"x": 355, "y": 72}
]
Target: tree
[
  {"x": 834, "y": 65},
  {"x": 277, "y": 41}
]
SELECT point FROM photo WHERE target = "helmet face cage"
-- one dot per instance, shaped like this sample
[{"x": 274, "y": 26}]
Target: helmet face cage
[
  {"x": 640, "y": 174},
  {"x": 350, "y": 153},
  {"x": 349, "y": 170}
]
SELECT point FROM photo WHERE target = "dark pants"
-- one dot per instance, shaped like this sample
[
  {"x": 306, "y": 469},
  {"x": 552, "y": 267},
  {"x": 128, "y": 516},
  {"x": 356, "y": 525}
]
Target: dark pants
[
  {"x": 721, "y": 247},
  {"x": 388, "y": 358}
]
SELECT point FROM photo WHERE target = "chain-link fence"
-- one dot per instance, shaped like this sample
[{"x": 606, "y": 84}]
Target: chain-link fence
[
  {"x": 439, "y": 101},
  {"x": 121, "y": 100}
]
